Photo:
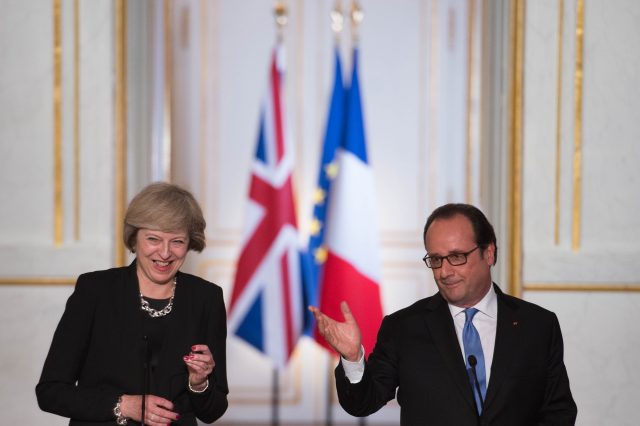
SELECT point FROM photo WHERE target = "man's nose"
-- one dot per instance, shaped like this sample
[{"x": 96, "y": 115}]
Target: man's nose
[{"x": 446, "y": 269}]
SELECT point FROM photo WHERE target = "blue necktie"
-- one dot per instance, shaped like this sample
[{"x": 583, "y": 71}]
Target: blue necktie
[{"x": 472, "y": 346}]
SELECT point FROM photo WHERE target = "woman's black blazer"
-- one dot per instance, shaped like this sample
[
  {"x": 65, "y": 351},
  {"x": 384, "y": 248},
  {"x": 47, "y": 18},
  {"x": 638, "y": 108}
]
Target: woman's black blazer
[{"x": 100, "y": 346}]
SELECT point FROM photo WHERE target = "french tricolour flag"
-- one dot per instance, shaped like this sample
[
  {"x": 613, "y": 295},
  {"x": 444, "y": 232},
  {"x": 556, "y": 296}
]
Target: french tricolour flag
[
  {"x": 266, "y": 307},
  {"x": 352, "y": 268}
]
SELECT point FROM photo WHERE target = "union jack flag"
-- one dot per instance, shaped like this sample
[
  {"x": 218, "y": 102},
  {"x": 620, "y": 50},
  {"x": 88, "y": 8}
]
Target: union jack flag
[{"x": 266, "y": 303}]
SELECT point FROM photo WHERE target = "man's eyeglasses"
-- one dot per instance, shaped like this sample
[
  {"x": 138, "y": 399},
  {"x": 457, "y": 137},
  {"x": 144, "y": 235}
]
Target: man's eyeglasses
[{"x": 454, "y": 259}]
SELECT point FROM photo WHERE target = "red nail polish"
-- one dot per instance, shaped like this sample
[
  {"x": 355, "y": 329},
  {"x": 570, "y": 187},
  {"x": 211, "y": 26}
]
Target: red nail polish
[
  {"x": 186, "y": 357},
  {"x": 193, "y": 348}
]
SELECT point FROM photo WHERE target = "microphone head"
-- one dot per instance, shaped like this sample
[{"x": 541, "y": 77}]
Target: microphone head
[{"x": 472, "y": 360}]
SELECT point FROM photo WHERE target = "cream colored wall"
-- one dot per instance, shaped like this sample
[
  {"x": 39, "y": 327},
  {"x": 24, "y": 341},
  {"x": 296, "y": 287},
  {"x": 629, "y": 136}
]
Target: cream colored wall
[
  {"x": 584, "y": 244},
  {"x": 48, "y": 238},
  {"x": 426, "y": 113}
]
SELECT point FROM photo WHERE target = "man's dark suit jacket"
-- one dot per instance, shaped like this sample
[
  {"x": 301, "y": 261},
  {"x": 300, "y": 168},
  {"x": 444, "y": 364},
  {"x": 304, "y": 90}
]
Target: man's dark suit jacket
[
  {"x": 100, "y": 344},
  {"x": 417, "y": 353}
]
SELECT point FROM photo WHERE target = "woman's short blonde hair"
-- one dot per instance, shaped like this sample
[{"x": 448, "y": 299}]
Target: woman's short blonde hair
[{"x": 165, "y": 207}]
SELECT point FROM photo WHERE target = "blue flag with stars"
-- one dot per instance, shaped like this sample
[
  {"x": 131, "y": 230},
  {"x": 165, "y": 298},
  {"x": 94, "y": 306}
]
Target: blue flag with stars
[{"x": 316, "y": 253}]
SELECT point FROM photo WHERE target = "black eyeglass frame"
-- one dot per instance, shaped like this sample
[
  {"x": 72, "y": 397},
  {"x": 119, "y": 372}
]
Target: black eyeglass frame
[{"x": 427, "y": 259}]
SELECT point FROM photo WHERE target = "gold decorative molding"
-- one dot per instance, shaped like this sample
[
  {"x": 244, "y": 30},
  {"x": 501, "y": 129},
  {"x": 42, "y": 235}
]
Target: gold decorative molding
[
  {"x": 299, "y": 107},
  {"x": 514, "y": 208},
  {"x": 37, "y": 281},
  {"x": 185, "y": 27},
  {"x": 581, "y": 287},
  {"x": 76, "y": 119},
  {"x": 577, "y": 128},
  {"x": 423, "y": 64},
  {"x": 210, "y": 121},
  {"x": 516, "y": 284},
  {"x": 205, "y": 75},
  {"x": 168, "y": 91},
  {"x": 556, "y": 227},
  {"x": 433, "y": 105},
  {"x": 58, "y": 222},
  {"x": 471, "y": 11},
  {"x": 120, "y": 129}
]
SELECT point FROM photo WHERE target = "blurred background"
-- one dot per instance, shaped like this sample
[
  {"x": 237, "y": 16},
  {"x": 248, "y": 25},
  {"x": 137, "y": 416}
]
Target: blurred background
[{"x": 527, "y": 109}]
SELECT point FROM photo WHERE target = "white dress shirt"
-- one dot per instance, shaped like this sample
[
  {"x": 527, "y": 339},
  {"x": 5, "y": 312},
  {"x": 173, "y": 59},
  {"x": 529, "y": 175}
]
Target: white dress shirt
[{"x": 485, "y": 321}]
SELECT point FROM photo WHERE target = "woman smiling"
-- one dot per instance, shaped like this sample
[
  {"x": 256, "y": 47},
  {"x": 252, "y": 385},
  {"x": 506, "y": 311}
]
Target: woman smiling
[{"x": 144, "y": 341}]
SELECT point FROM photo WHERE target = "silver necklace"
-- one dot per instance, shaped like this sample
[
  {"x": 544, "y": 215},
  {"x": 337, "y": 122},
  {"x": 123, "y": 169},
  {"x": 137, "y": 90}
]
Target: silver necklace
[{"x": 153, "y": 313}]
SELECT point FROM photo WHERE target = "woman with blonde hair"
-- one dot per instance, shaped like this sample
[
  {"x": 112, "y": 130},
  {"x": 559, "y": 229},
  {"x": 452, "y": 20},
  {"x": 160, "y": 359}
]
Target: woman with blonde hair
[{"x": 145, "y": 341}]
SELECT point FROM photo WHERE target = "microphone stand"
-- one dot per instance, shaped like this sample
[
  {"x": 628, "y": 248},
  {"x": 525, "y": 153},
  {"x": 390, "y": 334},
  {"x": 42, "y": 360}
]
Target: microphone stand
[
  {"x": 145, "y": 380},
  {"x": 472, "y": 362}
]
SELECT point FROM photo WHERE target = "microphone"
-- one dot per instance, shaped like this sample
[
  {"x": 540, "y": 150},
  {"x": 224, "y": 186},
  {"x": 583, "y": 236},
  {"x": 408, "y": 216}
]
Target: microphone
[
  {"x": 472, "y": 362},
  {"x": 145, "y": 375}
]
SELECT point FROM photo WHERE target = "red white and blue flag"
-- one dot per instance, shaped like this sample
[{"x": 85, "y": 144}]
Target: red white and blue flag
[
  {"x": 266, "y": 307},
  {"x": 351, "y": 271}
]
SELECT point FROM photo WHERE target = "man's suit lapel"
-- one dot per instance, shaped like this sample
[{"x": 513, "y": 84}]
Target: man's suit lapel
[
  {"x": 507, "y": 341},
  {"x": 440, "y": 324}
]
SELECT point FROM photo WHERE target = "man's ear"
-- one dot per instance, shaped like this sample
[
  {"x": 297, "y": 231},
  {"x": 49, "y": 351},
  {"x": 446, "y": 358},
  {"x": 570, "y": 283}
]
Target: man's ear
[{"x": 490, "y": 254}]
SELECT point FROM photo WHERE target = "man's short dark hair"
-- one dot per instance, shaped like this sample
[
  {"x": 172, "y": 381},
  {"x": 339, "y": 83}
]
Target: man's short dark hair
[{"x": 482, "y": 228}]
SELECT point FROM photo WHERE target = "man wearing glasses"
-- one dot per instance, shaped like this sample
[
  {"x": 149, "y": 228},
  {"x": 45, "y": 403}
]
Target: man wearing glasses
[{"x": 467, "y": 355}]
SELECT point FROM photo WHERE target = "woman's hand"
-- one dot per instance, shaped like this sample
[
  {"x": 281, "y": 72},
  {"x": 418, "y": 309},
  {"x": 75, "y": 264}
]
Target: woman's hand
[
  {"x": 157, "y": 412},
  {"x": 200, "y": 364}
]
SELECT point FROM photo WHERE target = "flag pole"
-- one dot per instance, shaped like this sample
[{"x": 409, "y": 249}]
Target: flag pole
[
  {"x": 329, "y": 394},
  {"x": 275, "y": 397},
  {"x": 281, "y": 18},
  {"x": 357, "y": 16},
  {"x": 337, "y": 24}
]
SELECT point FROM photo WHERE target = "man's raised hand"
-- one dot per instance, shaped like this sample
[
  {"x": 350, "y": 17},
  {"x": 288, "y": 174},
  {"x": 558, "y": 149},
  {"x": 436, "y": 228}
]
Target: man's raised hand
[{"x": 343, "y": 337}]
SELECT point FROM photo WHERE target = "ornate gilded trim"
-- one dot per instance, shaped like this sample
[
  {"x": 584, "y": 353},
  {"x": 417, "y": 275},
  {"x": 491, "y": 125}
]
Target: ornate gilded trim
[
  {"x": 120, "y": 129},
  {"x": 168, "y": 92},
  {"x": 471, "y": 11},
  {"x": 36, "y": 281},
  {"x": 423, "y": 84},
  {"x": 578, "y": 287},
  {"x": 577, "y": 128},
  {"x": 76, "y": 119},
  {"x": 205, "y": 75},
  {"x": 58, "y": 211},
  {"x": 556, "y": 227},
  {"x": 515, "y": 135},
  {"x": 433, "y": 105}
]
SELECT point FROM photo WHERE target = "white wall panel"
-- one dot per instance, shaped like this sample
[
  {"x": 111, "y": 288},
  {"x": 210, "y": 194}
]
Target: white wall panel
[
  {"x": 607, "y": 247},
  {"x": 29, "y": 313},
  {"x": 27, "y": 130},
  {"x": 421, "y": 103},
  {"x": 592, "y": 276}
]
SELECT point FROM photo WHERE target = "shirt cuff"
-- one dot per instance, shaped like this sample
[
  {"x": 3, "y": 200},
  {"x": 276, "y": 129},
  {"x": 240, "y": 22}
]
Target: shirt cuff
[{"x": 354, "y": 370}]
